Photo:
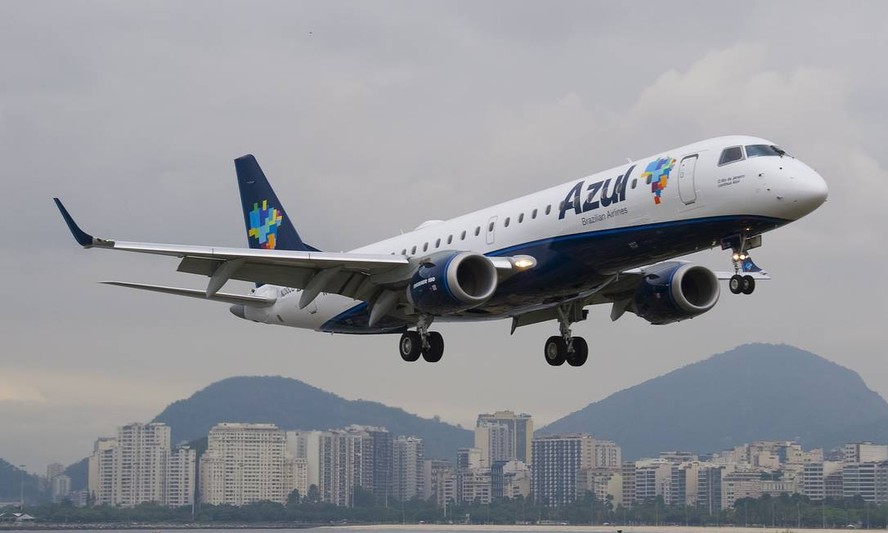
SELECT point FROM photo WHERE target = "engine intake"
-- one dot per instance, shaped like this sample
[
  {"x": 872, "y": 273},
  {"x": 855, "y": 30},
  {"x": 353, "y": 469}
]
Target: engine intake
[
  {"x": 672, "y": 292},
  {"x": 450, "y": 282}
]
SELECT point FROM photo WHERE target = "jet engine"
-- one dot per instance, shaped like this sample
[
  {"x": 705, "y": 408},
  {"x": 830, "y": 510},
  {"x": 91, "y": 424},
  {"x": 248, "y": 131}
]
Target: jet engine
[
  {"x": 673, "y": 291},
  {"x": 450, "y": 282}
]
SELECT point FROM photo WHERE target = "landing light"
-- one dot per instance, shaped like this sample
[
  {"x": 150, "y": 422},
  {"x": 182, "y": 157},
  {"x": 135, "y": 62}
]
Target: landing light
[{"x": 523, "y": 262}]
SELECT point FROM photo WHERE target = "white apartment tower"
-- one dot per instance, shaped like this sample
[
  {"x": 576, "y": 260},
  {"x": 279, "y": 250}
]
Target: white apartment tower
[
  {"x": 179, "y": 482},
  {"x": 408, "y": 454},
  {"x": 101, "y": 476},
  {"x": 144, "y": 449},
  {"x": 138, "y": 467},
  {"x": 520, "y": 435},
  {"x": 245, "y": 463}
]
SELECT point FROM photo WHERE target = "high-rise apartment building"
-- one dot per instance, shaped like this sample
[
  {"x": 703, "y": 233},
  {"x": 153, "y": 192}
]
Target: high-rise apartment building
[
  {"x": 408, "y": 455},
  {"x": 179, "y": 481},
  {"x": 341, "y": 462},
  {"x": 144, "y": 449},
  {"x": 709, "y": 488},
  {"x": 557, "y": 462},
  {"x": 867, "y": 480},
  {"x": 138, "y": 467},
  {"x": 245, "y": 463},
  {"x": 60, "y": 487},
  {"x": 520, "y": 434}
]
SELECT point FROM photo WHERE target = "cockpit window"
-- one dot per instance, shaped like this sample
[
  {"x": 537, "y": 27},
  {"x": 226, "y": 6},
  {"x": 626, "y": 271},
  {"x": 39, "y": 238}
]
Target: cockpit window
[
  {"x": 729, "y": 155},
  {"x": 760, "y": 150}
]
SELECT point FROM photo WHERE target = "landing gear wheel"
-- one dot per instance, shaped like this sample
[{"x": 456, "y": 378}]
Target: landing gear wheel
[
  {"x": 580, "y": 352},
  {"x": 411, "y": 346},
  {"x": 435, "y": 351},
  {"x": 748, "y": 284},
  {"x": 555, "y": 351},
  {"x": 736, "y": 284}
]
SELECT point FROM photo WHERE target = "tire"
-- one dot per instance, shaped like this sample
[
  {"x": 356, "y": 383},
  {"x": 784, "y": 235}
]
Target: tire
[
  {"x": 436, "y": 348},
  {"x": 555, "y": 351},
  {"x": 580, "y": 353},
  {"x": 748, "y": 284},
  {"x": 410, "y": 346},
  {"x": 736, "y": 284}
]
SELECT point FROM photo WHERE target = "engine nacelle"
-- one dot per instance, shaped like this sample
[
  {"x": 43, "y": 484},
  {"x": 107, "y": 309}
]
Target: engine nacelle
[
  {"x": 450, "y": 282},
  {"x": 672, "y": 292}
]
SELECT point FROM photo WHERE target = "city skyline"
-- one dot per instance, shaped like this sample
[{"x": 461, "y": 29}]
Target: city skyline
[
  {"x": 519, "y": 426},
  {"x": 374, "y": 118},
  {"x": 246, "y": 463}
]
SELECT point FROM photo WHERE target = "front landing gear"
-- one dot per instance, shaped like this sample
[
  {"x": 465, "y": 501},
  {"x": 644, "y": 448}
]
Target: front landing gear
[
  {"x": 742, "y": 282},
  {"x": 566, "y": 347},
  {"x": 428, "y": 344}
]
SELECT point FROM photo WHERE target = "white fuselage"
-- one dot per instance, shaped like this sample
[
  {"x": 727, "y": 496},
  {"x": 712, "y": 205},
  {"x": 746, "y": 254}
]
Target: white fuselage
[{"x": 606, "y": 225}]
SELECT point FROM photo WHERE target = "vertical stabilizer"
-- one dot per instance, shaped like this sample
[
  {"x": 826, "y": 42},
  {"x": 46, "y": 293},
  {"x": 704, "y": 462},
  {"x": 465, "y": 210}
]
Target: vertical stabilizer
[{"x": 268, "y": 225}]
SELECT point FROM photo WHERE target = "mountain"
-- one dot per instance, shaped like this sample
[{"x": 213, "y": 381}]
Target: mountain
[
  {"x": 292, "y": 404},
  {"x": 13, "y": 484},
  {"x": 753, "y": 392}
]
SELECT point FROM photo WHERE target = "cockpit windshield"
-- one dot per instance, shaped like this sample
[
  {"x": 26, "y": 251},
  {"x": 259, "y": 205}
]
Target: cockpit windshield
[{"x": 762, "y": 150}]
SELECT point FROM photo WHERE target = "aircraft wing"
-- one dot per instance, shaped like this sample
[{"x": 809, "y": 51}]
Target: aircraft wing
[{"x": 358, "y": 276}]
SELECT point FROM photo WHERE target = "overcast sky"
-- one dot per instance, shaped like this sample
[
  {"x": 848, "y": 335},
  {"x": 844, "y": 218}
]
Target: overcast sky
[{"x": 369, "y": 118}]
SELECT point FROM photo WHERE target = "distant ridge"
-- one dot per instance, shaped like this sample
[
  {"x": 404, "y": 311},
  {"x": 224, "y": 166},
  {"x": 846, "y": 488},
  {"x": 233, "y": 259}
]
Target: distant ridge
[
  {"x": 292, "y": 404},
  {"x": 753, "y": 392}
]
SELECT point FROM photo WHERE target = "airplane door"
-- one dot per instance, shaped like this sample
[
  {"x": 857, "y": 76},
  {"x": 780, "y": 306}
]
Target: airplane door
[
  {"x": 491, "y": 228},
  {"x": 686, "y": 188}
]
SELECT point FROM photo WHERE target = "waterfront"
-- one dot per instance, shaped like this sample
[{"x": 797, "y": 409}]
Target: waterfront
[{"x": 421, "y": 528}]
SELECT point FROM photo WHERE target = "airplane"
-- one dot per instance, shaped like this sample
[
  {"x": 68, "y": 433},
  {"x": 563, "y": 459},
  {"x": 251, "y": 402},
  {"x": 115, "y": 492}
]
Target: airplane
[{"x": 608, "y": 238}]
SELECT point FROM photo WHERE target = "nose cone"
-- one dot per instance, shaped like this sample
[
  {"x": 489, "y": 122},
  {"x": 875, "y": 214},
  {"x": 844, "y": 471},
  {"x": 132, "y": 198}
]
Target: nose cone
[
  {"x": 809, "y": 192},
  {"x": 237, "y": 310}
]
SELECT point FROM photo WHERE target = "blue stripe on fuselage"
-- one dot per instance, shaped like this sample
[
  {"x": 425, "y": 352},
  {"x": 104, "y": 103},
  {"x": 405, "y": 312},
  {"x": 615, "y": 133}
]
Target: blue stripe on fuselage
[{"x": 569, "y": 264}]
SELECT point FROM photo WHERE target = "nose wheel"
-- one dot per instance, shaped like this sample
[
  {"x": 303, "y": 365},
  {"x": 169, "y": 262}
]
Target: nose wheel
[
  {"x": 422, "y": 342},
  {"x": 566, "y": 348},
  {"x": 741, "y": 284}
]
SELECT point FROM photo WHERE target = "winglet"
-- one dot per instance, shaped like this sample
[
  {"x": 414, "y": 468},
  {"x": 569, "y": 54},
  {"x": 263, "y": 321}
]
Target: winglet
[{"x": 83, "y": 238}]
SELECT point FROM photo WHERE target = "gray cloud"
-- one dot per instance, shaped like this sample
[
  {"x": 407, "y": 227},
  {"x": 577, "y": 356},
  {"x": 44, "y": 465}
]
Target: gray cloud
[{"x": 368, "y": 118}]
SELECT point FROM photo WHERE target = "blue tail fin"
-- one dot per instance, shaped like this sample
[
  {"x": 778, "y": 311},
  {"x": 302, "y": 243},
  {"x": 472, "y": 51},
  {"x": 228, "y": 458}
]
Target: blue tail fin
[{"x": 268, "y": 225}]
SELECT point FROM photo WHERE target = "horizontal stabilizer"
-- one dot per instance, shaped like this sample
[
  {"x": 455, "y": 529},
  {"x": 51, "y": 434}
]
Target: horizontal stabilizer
[{"x": 250, "y": 301}]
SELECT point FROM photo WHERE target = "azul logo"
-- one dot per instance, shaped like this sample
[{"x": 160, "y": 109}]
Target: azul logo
[
  {"x": 600, "y": 194},
  {"x": 657, "y": 174},
  {"x": 264, "y": 223}
]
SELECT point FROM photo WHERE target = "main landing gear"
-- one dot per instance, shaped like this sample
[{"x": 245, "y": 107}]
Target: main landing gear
[
  {"x": 566, "y": 347},
  {"x": 428, "y": 344}
]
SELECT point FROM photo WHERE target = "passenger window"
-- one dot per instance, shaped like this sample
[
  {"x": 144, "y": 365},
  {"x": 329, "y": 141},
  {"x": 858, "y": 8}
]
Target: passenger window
[
  {"x": 413, "y": 251},
  {"x": 463, "y": 236},
  {"x": 506, "y": 223},
  {"x": 477, "y": 230},
  {"x": 404, "y": 251},
  {"x": 438, "y": 243},
  {"x": 449, "y": 239},
  {"x": 521, "y": 218},
  {"x": 490, "y": 227},
  {"x": 729, "y": 155},
  {"x": 548, "y": 209},
  {"x": 533, "y": 214},
  {"x": 425, "y": 247}
]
